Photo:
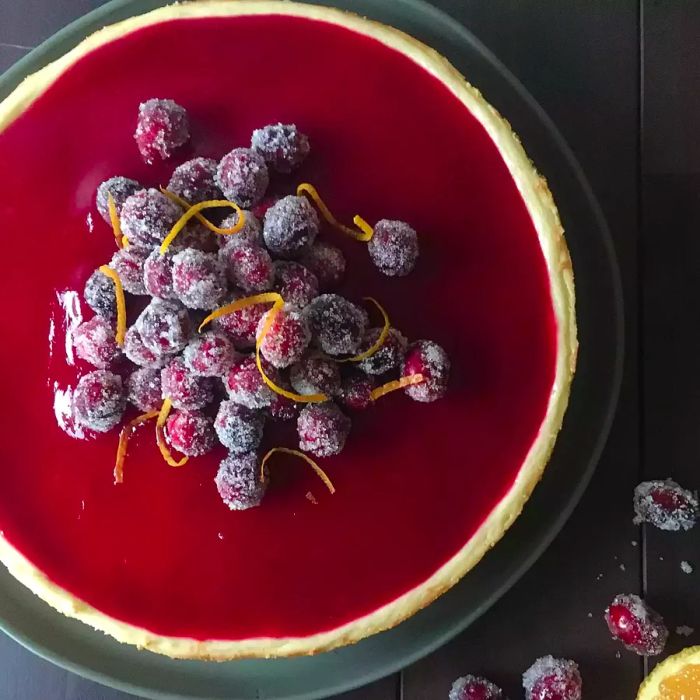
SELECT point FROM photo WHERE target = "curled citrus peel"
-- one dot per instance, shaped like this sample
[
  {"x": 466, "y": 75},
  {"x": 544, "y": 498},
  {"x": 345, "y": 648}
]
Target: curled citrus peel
[
  {"x": 122, "y": 240},
  {"x": 160, "y": 436},
  {"x": 383, "y": 335},
  {"x": 365, "y": 232},
  {"x": 124, "y": 436},
  {"x": 295, "y": 453},
  {"x": 264, "y": 298},
  {"x": 121, "y": 303},
  {"x": 203, "y": 220},
  {"x": 396, "y": 385}
]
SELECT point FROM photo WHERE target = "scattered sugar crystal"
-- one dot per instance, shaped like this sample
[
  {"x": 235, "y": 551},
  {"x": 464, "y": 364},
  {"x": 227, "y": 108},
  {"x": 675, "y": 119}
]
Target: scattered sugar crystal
[
  {"x": 686, "y": 567},
  {"x": 684, "y": 631}
]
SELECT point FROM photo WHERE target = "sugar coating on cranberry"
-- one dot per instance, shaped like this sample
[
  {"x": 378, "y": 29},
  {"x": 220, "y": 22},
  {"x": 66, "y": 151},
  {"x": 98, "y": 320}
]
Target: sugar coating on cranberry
[
  {"x": 315, "y": 374},
  {"x": 94, "y": 342},
  {"x": 147, "y": 217},
  {"x": 291, "y": 224},
  {"x": 394, "y": 247},
  {"x": 158, "y": 274},
  {"x": 99, "y": 294},
  {"x": 287, "y": 338},
  {"x": 239, "y": 428},
  {"x": 666, "y": 505},
  {"x": 326, "y": 262},
  {"x": 241, "y": 325},
  {"x": 199, "y": 280},
  {"x": 190, "y": 432},
  {"x": 337, "y": 324},
  {"x": 143, "y": 389},
  {"x": 195, "y": 181},
  {"x": 283, "y": 146},
  {"x": 552, "y": 679},
  {"x": 475, "y": 688},
  {"x": 239, "y": 482},
  {"x": 243, "y": 177},
  {"x": 296, "y": 283},
  {"x": 282, "y": 408},
  {"x": 250, "y": 232},
  {"x": 245, "y": 385},
  {"x": 164, "y": 327},
  {"x": 128, "y": 263},
  {"x": 184, "y": 388},
  {"x": 638, "y": 626},
  {"x": 161, "y": 128},
  {"x": 210, "y": 354},
  {"x": 429, "y": 359},
  {"x": 390, "y": 354},
  {"x": 247, "y": 265},
  {"x": 356, "y": 391},
  {"x": 121, "y": 188},
  {"x": 138, "y": 353},
  {"x": 323, "y": 429},
  {"x": 99, "y": 401}
]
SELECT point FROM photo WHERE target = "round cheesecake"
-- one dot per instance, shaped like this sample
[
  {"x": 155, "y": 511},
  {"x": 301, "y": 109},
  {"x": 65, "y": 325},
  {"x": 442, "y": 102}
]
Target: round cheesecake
[{"x": 422, "y": 490}]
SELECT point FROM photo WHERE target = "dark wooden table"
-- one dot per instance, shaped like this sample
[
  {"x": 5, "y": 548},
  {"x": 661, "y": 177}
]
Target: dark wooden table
[{"x": 620, "y": 78}]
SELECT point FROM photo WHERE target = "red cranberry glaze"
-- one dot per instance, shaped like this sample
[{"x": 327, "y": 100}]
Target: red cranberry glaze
[
  {"x": 143, "y": 389},
  {"x": 247, "y": 265},
  {"x": 158, "y": 274},
  {"x": 184, "y": 389},
  {"x": 138, "y": 353},
  {"x": 239, "y": 482},
  {"x": 162, "y": 127},
  {"x": 195, "y": 181},
  {"x": 94, "y": 342},
  {"x": 147, "y": 217},
  {"x": 291, "y": 224},
  {"x": 666, "y": 505},
  {"x": 240, "y": 429},
  {"x": 121, "y": 188},
  {"x": 323, "y": 429},
  {"x": 287, "y": 338},
  {"x": 639, "y": 627},
  {"x": 245, "y": 385},
  {"x": 296, "y": 283},
  {"x": 98, "y": 401},
  {"x": 337, "y": 324},
  {"x": 128, "y": 264},
  {"x": 199, "y": 281},
  {"x": 242, "y": 325},
  {"x": 393, "y": 248},
  {"x": 190, "y": 432},
  {"x": 388, "y": 357},
  {"x": 475, "y": 688},
  {"x": 283, "y": 146},
  {"x": 99, "y": 294},
  {"x": 429, "y": 359},
  {"x": 356, "y": 391},
  {"x": 164, "y": 327},
  {"x": 552, "y": 679},
  {"x": 210, "y": 354},
  {"x": 315, "y": 374},
  {"x": 243, "y": 177},
  {"x": 326, "y": 262}
]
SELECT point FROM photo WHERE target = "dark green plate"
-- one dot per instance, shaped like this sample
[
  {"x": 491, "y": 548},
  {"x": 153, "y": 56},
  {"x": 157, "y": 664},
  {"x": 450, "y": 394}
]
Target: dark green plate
[{"x": 76, "y": 647}]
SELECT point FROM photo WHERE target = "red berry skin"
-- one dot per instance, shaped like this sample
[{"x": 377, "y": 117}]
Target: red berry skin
[
  {"x": 190, "y": 432},
  {"x": 162, "y": 127},
  {"x": 552, "y": 679},
  {"x": 666, "y": 505},
  {"x": 356, "y": 391},
  {"x": 639, "y": 627},
  {"x": 475, "y": 688}
]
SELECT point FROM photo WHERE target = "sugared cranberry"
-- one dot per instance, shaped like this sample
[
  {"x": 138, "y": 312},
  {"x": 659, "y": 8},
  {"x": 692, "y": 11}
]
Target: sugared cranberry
[
  {"x": 162, "y": 127},
  {"x": 429, "y": 359},
  {"x": 158, "y": 275},
  {"x": 100, "y": 296},
  {"x": 296, "y": 283},
  {"x": 326, "y": 262},
  {"x": 251, "y": 232},
  {"x": 287, "y": 338},
  {"x": 283, "y": 146},
  {"x": 121, "y": 188},
  {"x": 260, "y": 209},
  {"x": 190, "y": 432},
  {"x": 143, "y": 389},
  {"x": 147, "y": 217},
  {"x": 199, "y": 280},
  {"x": 184, "y": 388},
  {"x": 242, "y": 325},
  {"x": 389, "y": 356},
  {"x": 247, "y": 265},
  {"x": 245, "y": 385},
  {"x": 195, "y": 181},
  {"x": 323, "y": 429},
  {"x": 337, "y": 324},
  {"x": 356, "y": 391},
  {"x": 210, "y": 354},
  {"x": 315, "y": 374},
  {"x": 552, "y": 679},
  {"x": 393, "y": 247},
  {"x": 138, "y": 353},
  {"x": 475, "y": 688},
  {"x": 665, "y": 505},
  {"x": 197, "y": 236},
  {"x": 99, "y": 401},
  {"x": 290, "y": 225},
  {"x": 640, "y": 628},
  {"x": 243, "y": 177},
  {"x": 128, "y": 264},
  {"x": 239, "y": 482},
  {"x": 282, "y": 408},
  {"x": 94, "y": 342},
  {"x": 164, "y": 327},
  {"x": 239, "y": 428}
]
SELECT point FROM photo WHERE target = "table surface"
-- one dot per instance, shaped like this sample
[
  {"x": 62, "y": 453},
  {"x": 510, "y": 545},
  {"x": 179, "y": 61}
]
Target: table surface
[{"x": 620, "y": 80}]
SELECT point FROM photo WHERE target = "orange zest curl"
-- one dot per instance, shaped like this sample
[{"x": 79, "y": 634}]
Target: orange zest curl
[
  {"x": 295, "y": 453},
  {"x": 203, "y": 220},
  {"x": 264, "y": 298},
  {"x": 365, "y": 232},
  {"x": 160, "y": 436},
  {"x": 121, "y": 303},
  {"x": 124, "y": 436},
  {"x": 396, "y": 385},
  {"x": 383, "y": 335},
  {"x": 122, "y": 240}
]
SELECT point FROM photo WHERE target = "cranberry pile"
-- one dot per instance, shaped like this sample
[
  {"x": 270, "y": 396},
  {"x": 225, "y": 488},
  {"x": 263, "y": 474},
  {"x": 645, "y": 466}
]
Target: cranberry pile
[{"x": 211, "y": 378}]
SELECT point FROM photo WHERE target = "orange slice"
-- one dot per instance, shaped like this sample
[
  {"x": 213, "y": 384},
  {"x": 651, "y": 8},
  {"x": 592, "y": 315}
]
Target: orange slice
[{"x": 677, "y": 678}]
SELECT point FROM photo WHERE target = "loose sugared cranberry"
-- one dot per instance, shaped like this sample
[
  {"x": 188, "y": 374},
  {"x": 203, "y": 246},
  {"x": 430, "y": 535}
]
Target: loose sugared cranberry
[
  {"x": 239, "y": 428},
  {"x": 475, "y": 688},
  {"x": 323, "y": 429},
  {"x": 199, "y": 280},
  {"x": 326, "y": 262},
  {"x": 128, "y": 263},
  {"x": 239, "y": 481},
  {"x": 158, "y": 275},
  {"x": 164, "y": 327},
  {"x": 337, "y": 324},
  {"x": 251, "y": 232},
  {"x": 99, "y": 401},
  {"x": 429, "y": 359},
  {"x": 315, "y": 374},
  {"x": 210, "y": 354},
  {"x": 100, "y": 296},
  {"x": 282, "y": 408},
  {"x": 195, "y": 181},
  {"x": 356, "y": 391},
  {"x": 243, "y": 177},
  {"x": 162, "y": 127},
  {"x": 245, "y": 385},
  {"x": 190, "y": 432},
  {"x": 393, "y": 247},
  {"x": 247, "y": 265},
  {"x": 291, "y": 224},
  {"x": 296, "y": 283},
  {"x": 121, "y": 188},
  {"x": 138, "y": 353},
  {"x": 242, "y": 325},
  {"x": 287, "y": 338},
  {"x": 184, "y": 388},
  {"x": 94, "y": 342},
  {"x": 389, "y": 356},
  {"x": 552, "y": 679},
  {"x": 283, "y": 146},
  {"x": 640, "y": 628},
  {"x": 143, "y": 389},
  {"x": 665, "y": 505},
  {"x": 147, "y": 217}
]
